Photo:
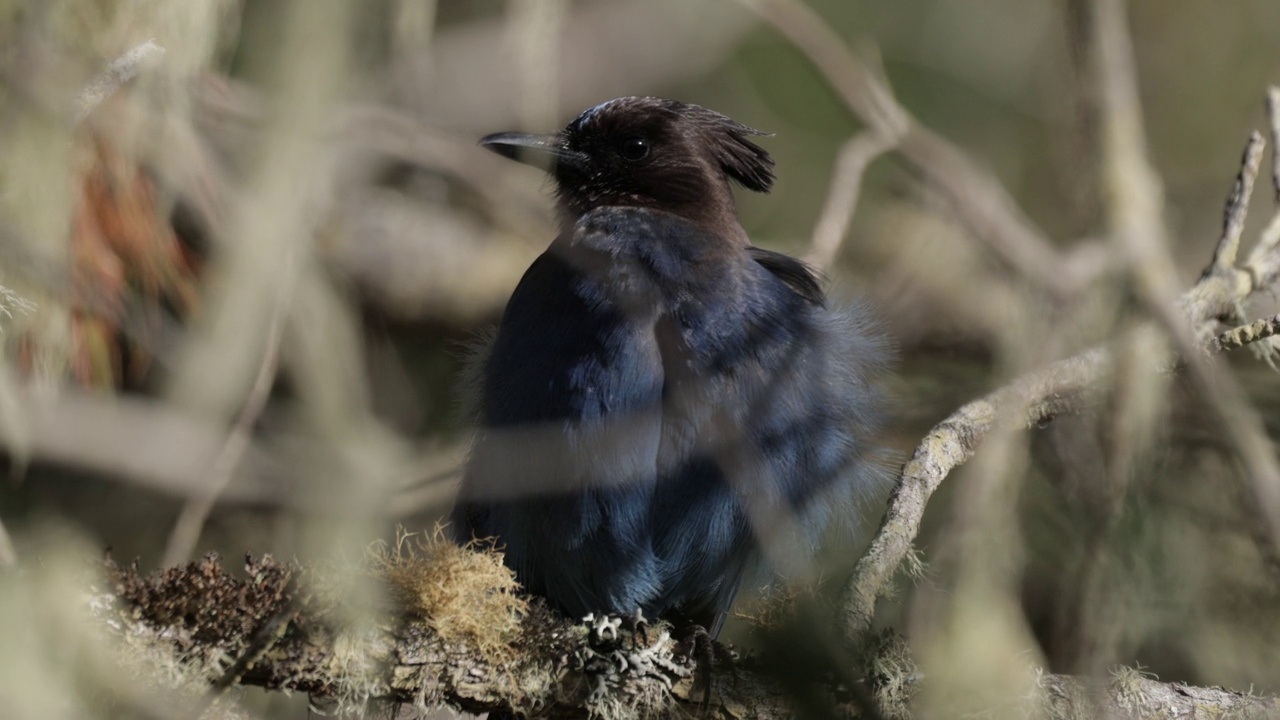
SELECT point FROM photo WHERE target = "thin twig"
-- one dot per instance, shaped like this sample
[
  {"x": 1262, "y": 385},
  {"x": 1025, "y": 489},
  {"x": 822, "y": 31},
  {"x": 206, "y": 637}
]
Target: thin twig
[
  {"x": 842, "y": 197},
  {"x": 976, "y": 196},
  {"x": 1267, "y": 243},
  {"x": 862, "y": 92},
  {"x": 1270, "y": 239},
  {"x": 8, "y": 555},
  {"x": 1218, "y": 294},
  {"x": 1237, "y": 208},
  {"x": 117, "y": 75},
  {"x": 1273, "y": 114},
  {"x": 195, "y": 512},
  {"x": 1238, "y": 337}
]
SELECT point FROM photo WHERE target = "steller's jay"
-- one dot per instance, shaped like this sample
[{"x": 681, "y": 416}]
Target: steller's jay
[{"x": 662, "y": 398}]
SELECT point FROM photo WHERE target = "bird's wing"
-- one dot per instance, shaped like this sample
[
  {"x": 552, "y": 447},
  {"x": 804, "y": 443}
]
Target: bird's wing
[
  {"x": 795, "y": 274},
  {"x": 760, "y": 391},
  {"x": 563, "y": 468}
]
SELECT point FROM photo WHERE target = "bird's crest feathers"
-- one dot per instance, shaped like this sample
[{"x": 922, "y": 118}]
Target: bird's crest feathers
[{"x": 744, "y": 161}]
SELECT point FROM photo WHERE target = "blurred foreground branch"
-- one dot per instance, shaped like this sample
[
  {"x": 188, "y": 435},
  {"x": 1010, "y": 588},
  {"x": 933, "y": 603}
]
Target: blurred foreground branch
[
  {"x": 153, "y": 445},
  {"x": 117, "y": 75},
  {"x": 195, "y": 512}
]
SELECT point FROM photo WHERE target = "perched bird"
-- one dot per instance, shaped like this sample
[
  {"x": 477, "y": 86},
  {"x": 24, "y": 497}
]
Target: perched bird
[{"x": 662, "y": 397}]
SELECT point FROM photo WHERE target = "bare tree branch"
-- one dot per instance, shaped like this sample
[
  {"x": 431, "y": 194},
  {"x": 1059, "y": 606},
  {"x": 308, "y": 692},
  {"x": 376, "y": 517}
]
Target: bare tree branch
[
  {"x": 842, "y": 197},
  {"x": 1238, "y": 204},
  {"x": 1029, "y": 401},
  {"x": 1238, "y": 337},
  {"x": 144, "y": 442},
  {"x": 117, "y": 75},
  {"x": 976, "y": 196},
  {"x": 195, "y": 512},
  {"x": 862, "y": 92}
]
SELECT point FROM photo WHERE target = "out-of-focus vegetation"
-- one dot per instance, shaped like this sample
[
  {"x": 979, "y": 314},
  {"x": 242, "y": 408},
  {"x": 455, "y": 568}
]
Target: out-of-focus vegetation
[{"x": 236, "y": 300}]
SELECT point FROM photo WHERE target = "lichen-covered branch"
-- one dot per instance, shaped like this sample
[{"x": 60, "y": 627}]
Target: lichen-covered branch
[
  {"x": 1238, "y": 204},
  {"x": 1255, "y": 331},
  {"x": 1029, "y": 401},
  {"x": 280, "y": 628},
  {"x": 1130, "y": 693}
]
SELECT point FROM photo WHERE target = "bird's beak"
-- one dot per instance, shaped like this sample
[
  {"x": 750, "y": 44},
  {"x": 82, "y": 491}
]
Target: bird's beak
[{"x": 540, "y": 151}]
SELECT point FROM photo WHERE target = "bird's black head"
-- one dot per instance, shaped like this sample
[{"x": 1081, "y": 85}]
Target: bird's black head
[{"x": 648, "y": 152}]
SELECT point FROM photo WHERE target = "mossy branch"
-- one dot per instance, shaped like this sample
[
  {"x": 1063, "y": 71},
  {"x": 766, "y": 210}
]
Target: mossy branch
[
  {"x": 278, "y": 627},
  {"x": 455, "y": 635}
]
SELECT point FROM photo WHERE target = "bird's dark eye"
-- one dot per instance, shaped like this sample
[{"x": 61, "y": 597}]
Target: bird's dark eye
[{"x": 635, "y": 148}]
